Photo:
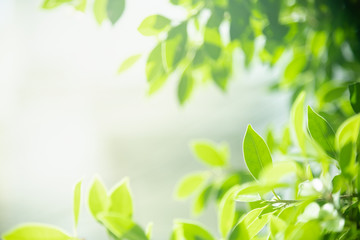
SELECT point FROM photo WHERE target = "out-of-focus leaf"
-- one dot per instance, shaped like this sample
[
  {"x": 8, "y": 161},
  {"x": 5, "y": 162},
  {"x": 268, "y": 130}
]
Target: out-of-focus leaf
[
  {"x": 274, "y": 173},
  {"x": 297, "y": 120},
  {"x": 153, "y": 25},
  {"x": 346, "y": 142},
  {"x": 121, "y": 200},
  {"x": 49, "y": 4},
  {"x": 192, "y": 231},
  {"x": 211, "y": 155},
  {"x": 155, "y": 70},
  {"x": 122, "y": 227},
  {"x": 100, "y": 11},
  {"x": 212, "y": 42},
  {"x": 202, "y": 199},
  {"x": 149, "y": 228},
  {"x": 270, "y": 140},
  {"x": 285, "y": 140},
  {"x": 191, "y": 183},
  {"x": 294, "y": 68},
  {"x": 227, "y": 211},
  {"x": 128, "y": 63},
  {"x": 77, "y": 201},
  {"x": 81, "y": 6},
  {"x": 321, "y": 132},
  {"x": 328, "y": 93},
  {"x": 175, "y": 45},
  {"x": 258, "y": 188},
  {"x": 239, "y": 232},
  {"x": 185, "y": 87},
  {"x": 277, "y": 225},
  {"x": 256, "y": 153},
  {"x": 310, "y": 231},
  {"x": 98, "y": 199},
  {"x": 36, "y": 232},
  {"x": 115, "y": 9},
  {"x": 355, "y": 96},
  {"x": 318, "y": 43}
]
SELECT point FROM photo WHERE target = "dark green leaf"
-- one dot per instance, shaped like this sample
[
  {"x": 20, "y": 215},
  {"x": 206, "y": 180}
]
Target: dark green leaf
[{"x": 355, "y": 96}]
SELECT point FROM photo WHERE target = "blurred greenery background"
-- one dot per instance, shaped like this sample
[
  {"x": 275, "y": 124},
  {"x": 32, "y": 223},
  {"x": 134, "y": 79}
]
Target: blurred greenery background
[{"x": 66, "y": 114}]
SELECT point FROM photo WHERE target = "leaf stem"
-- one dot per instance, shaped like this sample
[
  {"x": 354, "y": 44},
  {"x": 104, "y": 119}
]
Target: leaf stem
[{"x": 276, "y": 196}]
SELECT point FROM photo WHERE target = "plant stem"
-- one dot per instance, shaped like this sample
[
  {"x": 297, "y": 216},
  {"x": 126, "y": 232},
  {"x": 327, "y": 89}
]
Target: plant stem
[{"x": 276, "y": 196}]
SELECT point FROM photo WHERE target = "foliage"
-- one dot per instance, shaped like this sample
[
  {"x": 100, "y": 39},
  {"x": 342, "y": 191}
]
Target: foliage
[
  {"x": 309, "y": 191},
  {"x": 321, "y": 42},
  {"x": 302, "y": 185}
]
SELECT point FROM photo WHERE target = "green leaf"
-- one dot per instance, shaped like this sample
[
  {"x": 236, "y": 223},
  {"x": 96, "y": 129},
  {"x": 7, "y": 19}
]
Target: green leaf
[
  {"x": 277, "y": 226},
  {"x": 185, "y": 87},
  {"x": 36, "y": 232},
  {"x": 153, "y": 25},
  {"x": 355, "y": 96},
  {"x": 346, "y": 142},
  {"x": 175, "y": 45},
  {"x": 81, "y": 6},
  {"x": 98, "y": 198},
  {"x": 227, "y": 211},
  {"x": 155, "y": 71},
  {"x": 258, "y": 188},
  {"x": 256, "y": 153},
  {"x": 122, "y": 227},
  {"x": 128, "y": 63},
  {"x": 318, "y": 43},
  {"x": 121, "y": 200},
  {"x": 297, "y": 121},
  {"x": 202, "y": 200},
  {"x": 212, "y": 42},
  {"x": 77, "y": 200},
  {"x": 310, "y": 231},
  {"x": 211, "y": 155},
  {"x": 149, "y": 229},
  {"x": 100, "y": 10},
  {"x": 254, "y": 227},
  {"x": 191, "y": 183},
  {"x": 192, "y": 231},
  {"x": 273, "y": 174},
  {"x": 321, "y": 132},
  {"x": 294, "y": 68},
  {"x": 50, "y": 4},
  {"x": 115, "y": 9},
  {"x": 239, "y": 232}
]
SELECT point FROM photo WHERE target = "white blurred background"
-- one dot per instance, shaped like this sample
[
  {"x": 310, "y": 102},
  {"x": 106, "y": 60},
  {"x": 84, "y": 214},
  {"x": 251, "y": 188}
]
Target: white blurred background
[{"x": 66, "y": 115}]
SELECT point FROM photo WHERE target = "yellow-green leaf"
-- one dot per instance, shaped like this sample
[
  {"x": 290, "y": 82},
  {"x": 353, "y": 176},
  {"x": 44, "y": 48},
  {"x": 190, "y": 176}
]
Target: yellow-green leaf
[
  {"x": 153, "y": 25},
  {"x": 98, "y": 198},
  {"x": 191, "y": 183},
  {"x": 36, "y": 232},
  {"x": 121, "y": 200},
  {"x": 128, "y": 63},
  {"x": 210, "y": 154},
  {"x": 297, "y": 120},
  {"x": 77, "y": 201}
]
